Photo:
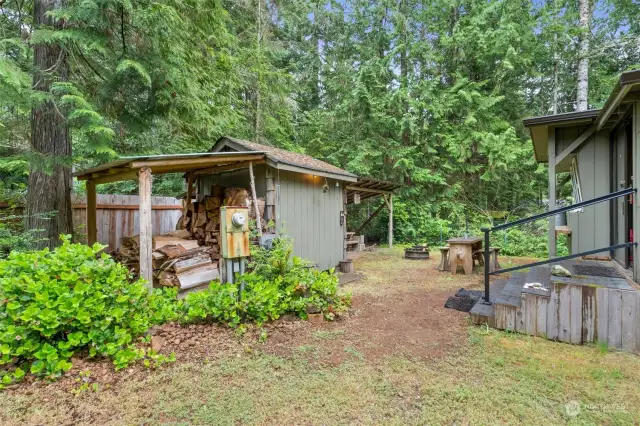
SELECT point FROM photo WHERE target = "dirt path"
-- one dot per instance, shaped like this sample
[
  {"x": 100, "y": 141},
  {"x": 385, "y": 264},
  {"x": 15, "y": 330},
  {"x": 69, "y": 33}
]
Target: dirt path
[{"x": 398, "y": 309}]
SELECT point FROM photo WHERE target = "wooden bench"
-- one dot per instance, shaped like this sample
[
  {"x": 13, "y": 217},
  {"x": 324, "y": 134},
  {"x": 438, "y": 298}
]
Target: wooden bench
[
  {"x": 493, "y": 257},
  {"x": 444, "y": 259}
]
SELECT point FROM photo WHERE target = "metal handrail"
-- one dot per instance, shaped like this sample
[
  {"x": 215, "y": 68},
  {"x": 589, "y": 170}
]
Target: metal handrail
[
  {"x": 596, "y": 200},
  {"x": 550, "y": 213}
]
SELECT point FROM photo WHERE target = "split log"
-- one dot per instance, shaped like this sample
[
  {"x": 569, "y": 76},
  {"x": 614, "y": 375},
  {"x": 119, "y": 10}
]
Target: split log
[
  {"x": 181, "y": 233},
  {"x": 192, "y": 263},
  {"x": 197, "y": 277},
  {"x": 172, "y": 250}
]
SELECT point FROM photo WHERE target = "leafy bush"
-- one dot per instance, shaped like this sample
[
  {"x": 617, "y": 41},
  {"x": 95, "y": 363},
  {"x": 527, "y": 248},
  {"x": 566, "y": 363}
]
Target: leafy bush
[
  {"x": 56, "y": 303},
  {"x": 278, "y": 284}
]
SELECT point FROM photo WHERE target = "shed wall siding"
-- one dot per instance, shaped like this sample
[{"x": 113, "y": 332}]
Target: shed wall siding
[
  {"x": 310, "y": 216},
  {"x": 304, "y": 212},
  {"x": 590, "y": 228}
]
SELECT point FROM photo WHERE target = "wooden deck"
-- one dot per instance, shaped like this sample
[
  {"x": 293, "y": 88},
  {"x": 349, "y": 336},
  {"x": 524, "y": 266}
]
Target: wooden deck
[{"x": 579, "y": 309}]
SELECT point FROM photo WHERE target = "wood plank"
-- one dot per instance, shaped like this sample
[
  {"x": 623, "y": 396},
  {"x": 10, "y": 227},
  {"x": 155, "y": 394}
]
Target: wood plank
[
  {"x": 629, "y": 320},
  {"x": 510, "y": 318},
  {"x": 226, "y": 167},
  {"x": 602, "y": 315},
  {"x": 254, "y": 195},
  {"x": 564, "y": 312},
  {"x": 128, "y": 207},
  {"x": 552, "y": 313},
  {"x": 614, "y": 327},
  {"x": 520, "y": 313},
  {"x": 186, "y": 164},
  {"x": 588, "y": 314},
  {"x": 531, "y": 314},
  {"x": 370, "y": 218},
  {"x": 575, "y": 144},
  {"x": 541, "y": 316},
  {"x": 146, "y": 229},
  {"x": 575, "y": 314},
  {"x": 500, "y": 317}
]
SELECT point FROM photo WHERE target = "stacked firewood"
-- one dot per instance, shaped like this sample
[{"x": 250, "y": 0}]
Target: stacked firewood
[
  {"x": 202, "y": 219},
  {"x": 188, "y": 257},
  {"x": 177, "y": 262}
]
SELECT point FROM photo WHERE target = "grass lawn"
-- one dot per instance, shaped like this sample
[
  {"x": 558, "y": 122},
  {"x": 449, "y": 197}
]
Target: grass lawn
[{"x": 398, "y": 358}]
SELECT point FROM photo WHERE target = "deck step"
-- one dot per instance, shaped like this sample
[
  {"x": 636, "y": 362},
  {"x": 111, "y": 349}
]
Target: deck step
[
  {"x": 482, "y": 313},
  {"x": 511, "y": 294}
]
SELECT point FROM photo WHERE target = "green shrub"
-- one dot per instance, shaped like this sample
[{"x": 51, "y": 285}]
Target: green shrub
[
  {"x": 278, "y": 284},
  {"x": 56, "y": 303}
]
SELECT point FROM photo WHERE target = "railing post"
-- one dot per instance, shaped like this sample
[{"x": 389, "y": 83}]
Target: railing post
[{"x": 487, "y": 263}]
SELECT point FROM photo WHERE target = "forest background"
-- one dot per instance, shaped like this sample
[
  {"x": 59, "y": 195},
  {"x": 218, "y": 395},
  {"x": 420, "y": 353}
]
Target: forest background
[{"x": 429, "y": 94}]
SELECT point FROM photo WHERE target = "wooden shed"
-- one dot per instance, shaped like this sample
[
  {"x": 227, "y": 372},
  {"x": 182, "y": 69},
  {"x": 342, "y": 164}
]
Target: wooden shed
[
  {"x": 305, "y": 197},
  {"x": 302, "y": 197}
]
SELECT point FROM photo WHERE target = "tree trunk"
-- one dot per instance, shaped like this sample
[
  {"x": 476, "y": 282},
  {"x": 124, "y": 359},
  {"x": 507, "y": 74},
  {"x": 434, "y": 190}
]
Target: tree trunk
[
  {"x": 404, "y": 84},
  {"x": 258, "y": 117},
  {"x": 583, "y": 56},
  {"x": 49, "y": 195},
  {"x": 555, "y": 74}
]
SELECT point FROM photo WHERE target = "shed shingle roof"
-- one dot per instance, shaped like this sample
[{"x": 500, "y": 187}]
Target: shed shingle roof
[{"x": 288, "y": 157}]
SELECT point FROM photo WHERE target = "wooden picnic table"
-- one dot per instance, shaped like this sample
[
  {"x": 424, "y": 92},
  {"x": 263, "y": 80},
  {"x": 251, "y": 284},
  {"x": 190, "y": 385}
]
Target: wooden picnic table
[{"x": 461, "y": 250}]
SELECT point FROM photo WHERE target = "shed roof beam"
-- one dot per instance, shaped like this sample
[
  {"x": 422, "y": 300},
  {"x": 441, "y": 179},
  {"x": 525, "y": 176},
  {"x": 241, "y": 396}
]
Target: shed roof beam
[{"x": 575, "y": 144}]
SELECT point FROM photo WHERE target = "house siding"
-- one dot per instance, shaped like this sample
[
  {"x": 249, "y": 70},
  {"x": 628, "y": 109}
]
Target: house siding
[
  {"x": 636, "y": 172},
  {"x": 590, "y": 228},
  {"x": 304, "y": 212}
]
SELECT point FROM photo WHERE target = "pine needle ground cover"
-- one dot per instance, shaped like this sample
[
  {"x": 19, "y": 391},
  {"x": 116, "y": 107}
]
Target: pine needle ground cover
[{"x": 399, "y": 358}]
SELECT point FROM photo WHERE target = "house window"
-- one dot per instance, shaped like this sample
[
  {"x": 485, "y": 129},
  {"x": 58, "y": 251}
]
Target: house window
[{"x": 575, "y": 185}]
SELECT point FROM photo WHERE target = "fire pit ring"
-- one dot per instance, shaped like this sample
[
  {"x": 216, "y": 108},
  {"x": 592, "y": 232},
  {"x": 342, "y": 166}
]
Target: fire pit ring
[{"x": 418, "y": 252}]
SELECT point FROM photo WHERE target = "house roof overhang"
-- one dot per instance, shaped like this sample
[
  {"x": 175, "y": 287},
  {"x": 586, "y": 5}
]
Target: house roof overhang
[{"x": 624, "y": 93}]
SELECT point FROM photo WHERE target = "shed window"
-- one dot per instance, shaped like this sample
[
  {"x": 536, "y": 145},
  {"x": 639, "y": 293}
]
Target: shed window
[{"x": 575, "y": 185}]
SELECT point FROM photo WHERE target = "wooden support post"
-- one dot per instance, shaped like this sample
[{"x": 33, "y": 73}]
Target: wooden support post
[
  {"x": 189, "y": 190},
  {"x": 255, "y": 199},
  {"x": 552, "y": 191},
  {"x": 370, "y": 218},
  {"x": 389, "y": 203},
  {"x": 270, "y": 201},
  {"x": 146, "y": 228},
  {"x": 92, "y": 226}
]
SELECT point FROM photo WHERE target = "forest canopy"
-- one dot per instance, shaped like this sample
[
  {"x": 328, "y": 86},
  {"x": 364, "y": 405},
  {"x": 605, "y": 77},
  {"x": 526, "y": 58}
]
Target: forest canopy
[{"x": 430, "y": 94}]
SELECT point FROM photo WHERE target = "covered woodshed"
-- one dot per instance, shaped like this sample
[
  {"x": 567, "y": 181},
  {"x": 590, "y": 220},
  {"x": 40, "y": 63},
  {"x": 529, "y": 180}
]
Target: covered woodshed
[{"x": 290, "y": 193}]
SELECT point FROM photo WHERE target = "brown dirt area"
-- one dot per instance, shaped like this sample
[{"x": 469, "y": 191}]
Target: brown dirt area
[{"x": 397, "y": 310}]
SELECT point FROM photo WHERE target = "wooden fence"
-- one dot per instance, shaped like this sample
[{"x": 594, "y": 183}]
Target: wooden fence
[
  {"x": 577, "y": 314},
  {"x": 117, "y": 216}
]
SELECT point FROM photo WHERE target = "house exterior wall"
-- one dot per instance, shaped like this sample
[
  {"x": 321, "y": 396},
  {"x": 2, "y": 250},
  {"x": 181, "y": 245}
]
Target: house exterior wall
[
  {"x": 304, "y": 212},
  {"x": 590, "y": 229},
  {"x": 635, "y": 126}
]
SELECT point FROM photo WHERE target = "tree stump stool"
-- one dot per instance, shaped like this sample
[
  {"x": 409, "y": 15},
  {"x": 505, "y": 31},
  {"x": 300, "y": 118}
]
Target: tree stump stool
[{"x": 444, "y": 259}]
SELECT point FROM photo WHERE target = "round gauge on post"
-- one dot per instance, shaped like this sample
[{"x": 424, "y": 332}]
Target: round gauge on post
[{"x": 238, "y": 219}]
